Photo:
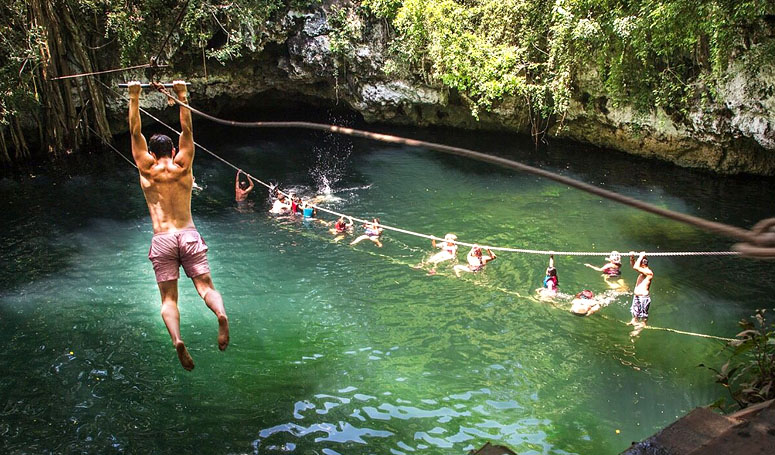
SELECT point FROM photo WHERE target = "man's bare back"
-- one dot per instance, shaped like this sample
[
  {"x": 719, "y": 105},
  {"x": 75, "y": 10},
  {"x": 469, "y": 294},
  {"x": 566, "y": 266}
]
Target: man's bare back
[{"x": 167, "y": 188}]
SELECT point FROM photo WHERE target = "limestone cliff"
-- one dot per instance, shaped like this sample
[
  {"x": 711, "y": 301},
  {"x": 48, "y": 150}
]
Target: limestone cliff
[{"x": 296, "y": 60}]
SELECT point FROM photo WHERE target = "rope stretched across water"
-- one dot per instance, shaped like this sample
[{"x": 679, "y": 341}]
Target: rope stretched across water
[
  {"x": 419, "y": 234},
  {"x": 758, "y": 242},
  {"x": 432, "y": 237}
]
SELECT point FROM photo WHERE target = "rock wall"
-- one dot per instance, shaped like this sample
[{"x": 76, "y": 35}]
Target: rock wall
[{"x": 734, "y": 136}]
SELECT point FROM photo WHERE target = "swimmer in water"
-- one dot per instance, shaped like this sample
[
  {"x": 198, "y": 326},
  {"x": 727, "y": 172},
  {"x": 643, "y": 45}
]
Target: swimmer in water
[
  {"x": 551, "y": 281},
  {"x": 195, "y": 186},
  {"x": 585, "y": 304},
  {"x": 476, "y": 261},
  {"x": 372, "y": 231},
  {"x": 341, "y": 229},
  {"x": 280, "y": 206},
  {"x": 612, "y": 273},
  {"x": 448, "y": 249},
  {"x": 242, "y": 188},
  {"x": 308, "y": 211}
]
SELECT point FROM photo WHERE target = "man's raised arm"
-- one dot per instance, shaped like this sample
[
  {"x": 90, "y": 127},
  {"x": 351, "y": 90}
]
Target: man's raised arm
[
  {"x": 185, "y": 155},
  {"x": 636, "y": 263},
  {"x": 143, "y": 159}
]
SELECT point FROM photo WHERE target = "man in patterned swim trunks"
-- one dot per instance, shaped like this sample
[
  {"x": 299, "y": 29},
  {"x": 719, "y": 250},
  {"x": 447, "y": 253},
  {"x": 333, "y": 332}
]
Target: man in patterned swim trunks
[
  {"x": 167, "y": 179},
  {"x": 641, "y": 301}
]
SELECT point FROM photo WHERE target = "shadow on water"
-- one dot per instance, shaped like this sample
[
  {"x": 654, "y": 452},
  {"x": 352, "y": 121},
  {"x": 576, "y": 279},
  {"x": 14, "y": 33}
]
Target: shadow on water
[{"x": 43, "y": 208}]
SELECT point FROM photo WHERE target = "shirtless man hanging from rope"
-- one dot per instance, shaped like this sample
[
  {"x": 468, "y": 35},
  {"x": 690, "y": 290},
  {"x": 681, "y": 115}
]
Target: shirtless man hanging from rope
[{"x": 166, "y": 179}]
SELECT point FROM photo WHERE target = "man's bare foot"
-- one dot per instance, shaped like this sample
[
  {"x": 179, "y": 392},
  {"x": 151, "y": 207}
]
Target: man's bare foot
[
  {"x": 223, "y": 332},
  {"x": 185, "y": 358}
]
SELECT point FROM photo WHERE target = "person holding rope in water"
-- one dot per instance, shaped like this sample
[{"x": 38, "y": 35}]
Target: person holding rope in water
[
  {"x": 166, "y": 179},
  {"x": 551, "y": 281},
  {"x": 476, "y": 261},
  {"x": 612, "y": 273},
  {"x": 372, "y": 231},
  {"x": 242, "y": 188},
  {"x": 641, "y": 300},
  {"x": 341, "y": 229}
]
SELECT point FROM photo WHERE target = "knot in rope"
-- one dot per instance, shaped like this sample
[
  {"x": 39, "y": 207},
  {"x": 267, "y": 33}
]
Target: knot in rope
[
  {"x": 761, "y": 243},
  {"x": 160, "y": 87}
]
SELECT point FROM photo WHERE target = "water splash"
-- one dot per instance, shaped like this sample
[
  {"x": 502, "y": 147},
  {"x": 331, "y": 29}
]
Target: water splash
[{"x": 331, "y": 157}]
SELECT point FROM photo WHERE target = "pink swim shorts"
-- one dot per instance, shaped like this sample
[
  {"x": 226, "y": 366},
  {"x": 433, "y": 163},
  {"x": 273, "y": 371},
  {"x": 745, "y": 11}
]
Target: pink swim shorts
[{"x": 170, "y": 250}]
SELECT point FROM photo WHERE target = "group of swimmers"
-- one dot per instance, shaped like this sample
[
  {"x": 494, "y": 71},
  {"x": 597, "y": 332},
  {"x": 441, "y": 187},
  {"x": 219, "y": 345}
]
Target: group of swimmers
[{"x": 584, "y": 303}]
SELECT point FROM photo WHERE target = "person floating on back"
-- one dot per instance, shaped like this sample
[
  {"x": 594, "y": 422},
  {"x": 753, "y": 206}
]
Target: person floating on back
[
  {"x": 551, "y": 281},
  {"x": 585, "y": 303},
  {"x": 166, "y": 180},
  {"x": 242, "y": 187},
  {"x": 372, "y": 231},
  {"x": 641, "y": 300},
  {"x": 476, "y": 261},
  {"x": 612, "y": 272}
]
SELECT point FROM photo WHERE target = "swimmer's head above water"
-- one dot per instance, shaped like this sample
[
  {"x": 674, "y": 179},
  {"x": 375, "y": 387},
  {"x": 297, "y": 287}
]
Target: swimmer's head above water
[{"x": 614, "y": 257}]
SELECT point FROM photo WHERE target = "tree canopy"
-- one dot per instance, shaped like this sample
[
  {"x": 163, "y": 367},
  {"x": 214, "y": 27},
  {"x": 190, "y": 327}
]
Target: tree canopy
[{"x": 669, "y": 54}]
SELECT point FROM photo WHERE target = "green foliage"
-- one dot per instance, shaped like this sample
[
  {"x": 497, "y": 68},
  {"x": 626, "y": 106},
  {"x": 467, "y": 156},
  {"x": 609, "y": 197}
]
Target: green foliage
[
  {"x": 344, "y": 31},
  {"x": 126, "y": 33},
  {"x": 19, "y": 57},
  {"x": 749, "y": 375},
  {"x": 663, "y": 53}
]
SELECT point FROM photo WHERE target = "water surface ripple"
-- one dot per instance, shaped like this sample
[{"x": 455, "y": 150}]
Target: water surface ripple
[{"x": 339, "y": 349}]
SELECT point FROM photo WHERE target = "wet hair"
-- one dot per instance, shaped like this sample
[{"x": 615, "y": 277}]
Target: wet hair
[
  {"x": 243, "y": 185},
  {"x": 160, "y": 145}
]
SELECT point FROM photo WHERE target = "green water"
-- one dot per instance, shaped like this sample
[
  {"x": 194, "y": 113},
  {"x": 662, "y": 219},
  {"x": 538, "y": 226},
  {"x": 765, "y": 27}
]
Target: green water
[{"x": 349, "y": 350}]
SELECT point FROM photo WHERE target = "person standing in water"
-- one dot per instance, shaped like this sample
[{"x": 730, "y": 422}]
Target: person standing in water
[
  {"x": 242, "y": 187},
  {"x": 641, "y": 299},
  {"x": 166, "y": 179}
]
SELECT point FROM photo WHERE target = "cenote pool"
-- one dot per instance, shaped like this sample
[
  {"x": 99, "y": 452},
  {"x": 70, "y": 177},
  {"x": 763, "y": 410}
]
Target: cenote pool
[{"x": 349, "y": 350}]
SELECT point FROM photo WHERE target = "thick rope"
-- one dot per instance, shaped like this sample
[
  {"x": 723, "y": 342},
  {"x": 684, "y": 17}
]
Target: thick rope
[
  {"x": 759, "y": 242},
  {"x": 427, "y": 236},
  {"x": 690, "y": 253}
]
